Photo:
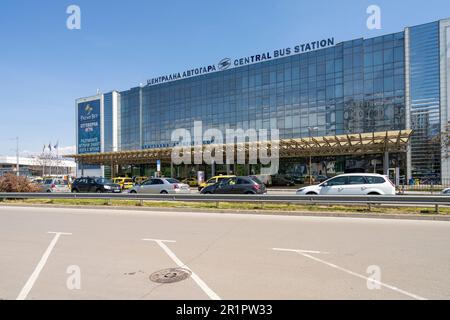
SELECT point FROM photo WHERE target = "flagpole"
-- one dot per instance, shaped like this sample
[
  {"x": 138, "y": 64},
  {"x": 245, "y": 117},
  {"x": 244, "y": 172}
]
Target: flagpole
[
  {"x": 51, "y": 158},
  {"x": 57, "y": 159},
  {"x": 43, "y": 162}
]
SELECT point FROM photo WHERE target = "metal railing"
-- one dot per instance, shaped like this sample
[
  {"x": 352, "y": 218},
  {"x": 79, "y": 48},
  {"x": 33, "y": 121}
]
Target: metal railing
[{"x": 395, "y": 201}]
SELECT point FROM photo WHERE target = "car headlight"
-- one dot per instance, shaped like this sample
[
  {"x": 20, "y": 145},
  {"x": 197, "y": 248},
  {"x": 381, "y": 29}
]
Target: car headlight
[{"x": 108, "y": 188}]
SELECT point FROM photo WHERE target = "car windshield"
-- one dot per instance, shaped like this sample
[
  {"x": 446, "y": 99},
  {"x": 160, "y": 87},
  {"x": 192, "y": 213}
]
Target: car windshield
[
  {"x": 103, "y": 181},
  {"x": 172, "y": 181}
]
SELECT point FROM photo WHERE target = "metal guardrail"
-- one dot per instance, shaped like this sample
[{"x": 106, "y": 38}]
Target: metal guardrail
[{"x": 420, "y": 201}]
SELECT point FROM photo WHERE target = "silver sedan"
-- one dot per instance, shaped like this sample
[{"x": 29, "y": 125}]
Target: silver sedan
[
  {"x": 161, "y": 186},
  {"x": 55, "y": 186}
]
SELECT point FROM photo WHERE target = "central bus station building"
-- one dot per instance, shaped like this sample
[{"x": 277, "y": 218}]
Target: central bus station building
[{"x": 374, "y": 105}]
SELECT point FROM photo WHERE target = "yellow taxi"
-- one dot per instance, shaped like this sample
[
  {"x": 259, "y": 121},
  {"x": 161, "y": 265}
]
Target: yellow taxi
[
  {"x": 124, "y": 183},
  {"x": 213, "y": 181},
  {"x": 192, "y": 182},
  {"x": 140, "y": 180}
]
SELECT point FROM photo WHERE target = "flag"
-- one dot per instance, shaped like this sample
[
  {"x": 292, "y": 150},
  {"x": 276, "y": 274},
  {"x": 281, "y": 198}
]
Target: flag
[
  {"x": 56, "y": 146},
  {"x": 43, "y": 149},
  {"x": 50, "y": 146}
]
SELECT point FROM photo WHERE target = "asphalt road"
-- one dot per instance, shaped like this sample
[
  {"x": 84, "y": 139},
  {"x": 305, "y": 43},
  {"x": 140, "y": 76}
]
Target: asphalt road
[{"x": 102, "y": 254}]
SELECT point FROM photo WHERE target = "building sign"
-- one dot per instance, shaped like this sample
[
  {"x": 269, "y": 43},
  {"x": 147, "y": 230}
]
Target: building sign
[
  {"x": 228, "y": 62},
  {"x": 200, "y": 177},
  {"x": 175, "y": 144},
  {"x": 158, "y": 166},
  {"x": 89, "y": 135}
]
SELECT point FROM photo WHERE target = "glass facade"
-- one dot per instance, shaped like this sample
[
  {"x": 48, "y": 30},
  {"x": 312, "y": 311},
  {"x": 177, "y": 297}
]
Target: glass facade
[
  {"x": 354, "y": 87},
  {"x": 129, "y": 120},
  {"x": 425, "y": 100}
]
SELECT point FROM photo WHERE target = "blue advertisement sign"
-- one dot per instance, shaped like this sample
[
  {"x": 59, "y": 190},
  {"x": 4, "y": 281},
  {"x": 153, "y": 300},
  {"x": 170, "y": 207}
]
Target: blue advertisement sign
[{"x": 89, "y": 133}]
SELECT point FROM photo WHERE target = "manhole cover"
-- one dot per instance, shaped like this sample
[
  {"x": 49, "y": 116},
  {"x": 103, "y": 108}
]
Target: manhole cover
[{"x": 170, "y": 275}]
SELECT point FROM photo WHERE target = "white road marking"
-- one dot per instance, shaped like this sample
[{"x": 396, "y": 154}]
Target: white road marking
[
  {"x": 211, "y": 294},
  {"x": 34, "y": 276},
  {"x": 306, "y": 255},
  {"x": 300, "y": 251},
  {"x": 159, "y": 240}
]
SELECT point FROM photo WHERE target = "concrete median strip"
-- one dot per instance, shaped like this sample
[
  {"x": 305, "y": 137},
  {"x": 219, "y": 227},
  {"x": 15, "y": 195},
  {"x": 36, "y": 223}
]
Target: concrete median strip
[
  {"x": 307, "y": 254},
  {"x": 35, "y": 275},
  {"x": 300, "y": 213},
  {"x": 162, "y": 243}
]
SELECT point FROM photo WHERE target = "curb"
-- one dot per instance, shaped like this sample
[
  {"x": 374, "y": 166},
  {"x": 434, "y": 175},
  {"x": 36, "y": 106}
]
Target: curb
[{"x": 415, "y": 217}]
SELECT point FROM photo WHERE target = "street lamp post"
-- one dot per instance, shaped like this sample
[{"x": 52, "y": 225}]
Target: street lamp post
[{"x": 311, "y": 130}]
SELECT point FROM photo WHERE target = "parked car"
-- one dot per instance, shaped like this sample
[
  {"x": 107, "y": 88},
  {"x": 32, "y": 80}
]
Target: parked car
[
  {"x": 161, "y": 186},
  {"x": 282, "y": 181},
  {"x": 36, "y": 180},
  {"x": 95, "y": 185},
  {"x": 192, "y": 182},
  {"x": 213, "y": 181},
  {"x": 446, "y": 192},
  {"x": 55, "y": 186},
  {"x": 320, "y": 178},
  {"x": 124, "y": 183},
  {"x": 236, "y": 185},
  {"x": 352, "y": 184},
  {"x": 298, "y": 179}
]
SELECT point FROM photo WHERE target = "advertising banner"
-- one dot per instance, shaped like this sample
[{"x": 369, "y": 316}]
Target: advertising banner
[{"x": 89, "y": 130}]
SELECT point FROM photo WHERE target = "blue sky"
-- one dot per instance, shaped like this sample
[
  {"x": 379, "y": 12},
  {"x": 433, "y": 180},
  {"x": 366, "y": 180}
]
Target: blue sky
[{"x": 44, "y": 66}]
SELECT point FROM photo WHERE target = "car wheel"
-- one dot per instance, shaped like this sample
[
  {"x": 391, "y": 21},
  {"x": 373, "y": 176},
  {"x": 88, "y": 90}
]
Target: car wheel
[
  {"x": 208, "y": 192},
  {"x": 164, "y": 192},
  {"x": 133, "y": 192},
  {"x": 74, "y": 191},
  {"x": 311, "y": 194},
  {"x": 49, "y": 191},
  {"x": 99, "y": 191},
  {"x": 374, "y": 194},
  {"x": 249, "y": 193}
]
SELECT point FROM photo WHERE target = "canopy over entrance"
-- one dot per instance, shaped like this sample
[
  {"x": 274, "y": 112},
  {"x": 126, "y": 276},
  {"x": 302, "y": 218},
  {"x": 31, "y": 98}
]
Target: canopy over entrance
[{"x": 352, "y": 144}]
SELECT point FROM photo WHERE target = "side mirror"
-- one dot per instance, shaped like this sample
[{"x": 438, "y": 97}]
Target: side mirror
[{"x": 325, "y": 184}]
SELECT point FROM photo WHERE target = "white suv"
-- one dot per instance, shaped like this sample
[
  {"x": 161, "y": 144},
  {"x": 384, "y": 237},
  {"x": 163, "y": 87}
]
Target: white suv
[{"x": 360, "y": 184}]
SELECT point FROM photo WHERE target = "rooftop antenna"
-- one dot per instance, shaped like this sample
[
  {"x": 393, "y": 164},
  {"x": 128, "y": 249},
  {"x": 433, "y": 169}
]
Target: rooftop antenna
[{"x": 98, "y": 91}]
